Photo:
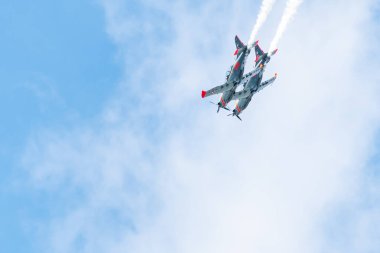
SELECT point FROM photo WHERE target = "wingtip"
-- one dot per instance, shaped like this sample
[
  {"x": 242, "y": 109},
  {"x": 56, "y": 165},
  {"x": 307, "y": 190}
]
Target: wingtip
[
  {"x": 275, "y": 75},
  {"x": 203, "y": 93}
]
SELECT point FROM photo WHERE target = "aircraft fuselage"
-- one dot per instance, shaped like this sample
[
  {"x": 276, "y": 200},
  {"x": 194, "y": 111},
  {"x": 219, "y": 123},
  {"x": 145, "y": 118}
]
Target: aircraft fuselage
[
  {"x": 237, "y": 71},
  {"x": 253, "y": 85}
]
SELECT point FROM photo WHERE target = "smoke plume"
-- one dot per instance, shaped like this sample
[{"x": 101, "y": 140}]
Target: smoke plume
[
  {"x": 290, "y": 10},
  {"x": 266, "y": 7}
]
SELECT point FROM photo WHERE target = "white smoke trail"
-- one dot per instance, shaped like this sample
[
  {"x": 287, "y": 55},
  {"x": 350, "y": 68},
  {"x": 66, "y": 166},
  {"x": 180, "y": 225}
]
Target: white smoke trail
[
  {"x": 266, "y": 7},
  {"x": 290, "y": 10}
]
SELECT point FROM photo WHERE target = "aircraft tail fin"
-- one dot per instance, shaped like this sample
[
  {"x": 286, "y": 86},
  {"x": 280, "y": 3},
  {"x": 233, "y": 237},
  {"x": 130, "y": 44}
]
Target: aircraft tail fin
[
  {"x": 238, "y": 43},
  {"x": 259, "y": 52}
]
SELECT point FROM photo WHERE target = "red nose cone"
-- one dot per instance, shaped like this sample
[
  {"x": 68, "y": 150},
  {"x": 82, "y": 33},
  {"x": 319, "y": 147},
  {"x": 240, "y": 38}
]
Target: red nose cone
[
  {"x": 237, "y": 50},
  {"x": 203, "y": 93}
]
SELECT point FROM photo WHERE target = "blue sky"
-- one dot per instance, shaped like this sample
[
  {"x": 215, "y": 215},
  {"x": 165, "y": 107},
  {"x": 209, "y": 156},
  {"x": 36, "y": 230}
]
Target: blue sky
[
  {"x": 57, "y": 69},
  {"x": 47, "y": 54},
  {"x": 106, "y": 144}
]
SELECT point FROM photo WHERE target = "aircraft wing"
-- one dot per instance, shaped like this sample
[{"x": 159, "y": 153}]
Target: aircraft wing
[
  {"x": 241, "y": 94},
  {"x": 227, "y": 86},
  {"x": 266, "y": 83},
  {"x": 252, "y": 73},
  {"x": 218, "y": 89},
  {"x": 245, "y": 93}
]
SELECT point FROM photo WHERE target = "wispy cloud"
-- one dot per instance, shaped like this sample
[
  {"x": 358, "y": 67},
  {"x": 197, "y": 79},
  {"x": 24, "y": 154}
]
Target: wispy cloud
[{"x": 172, "y": 176}]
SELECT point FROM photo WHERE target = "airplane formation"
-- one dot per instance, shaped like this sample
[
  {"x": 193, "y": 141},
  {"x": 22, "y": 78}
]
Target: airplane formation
[{"x": 251, "y": 82}]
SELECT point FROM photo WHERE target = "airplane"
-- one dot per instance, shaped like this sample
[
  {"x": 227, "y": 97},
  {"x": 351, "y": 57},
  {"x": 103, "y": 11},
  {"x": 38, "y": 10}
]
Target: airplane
[
  {"x": 234, "y": 76},
  {"x": 261, "y": 57},
  {"x": 253, "y": 86}
]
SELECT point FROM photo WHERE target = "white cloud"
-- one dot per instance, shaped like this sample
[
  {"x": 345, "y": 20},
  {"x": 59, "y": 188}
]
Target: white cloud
[{"x": 173, "y": 176}]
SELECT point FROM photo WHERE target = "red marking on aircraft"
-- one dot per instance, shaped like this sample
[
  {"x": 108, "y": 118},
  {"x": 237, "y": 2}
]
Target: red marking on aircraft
[
  {"x": 237, "y": 50},
  {"x": 223, "y": 103},
  {"x": 203, "y": 93},
  {"x": 237, "y": 65},
  {"x": 238, "y": 108}
]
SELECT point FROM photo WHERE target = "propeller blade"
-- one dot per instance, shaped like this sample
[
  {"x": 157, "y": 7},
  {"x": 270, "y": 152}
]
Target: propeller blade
[
  {"x": 225, "y": 108},
  {"x": 233, "y": 114},
  {"x": 216, "y": 105}
]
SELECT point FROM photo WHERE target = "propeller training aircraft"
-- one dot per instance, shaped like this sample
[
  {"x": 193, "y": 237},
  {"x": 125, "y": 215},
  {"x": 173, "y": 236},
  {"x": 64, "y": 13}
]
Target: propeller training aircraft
[
  {"x": 234, "y": 76},
  {"x": 252, "y": 82}
]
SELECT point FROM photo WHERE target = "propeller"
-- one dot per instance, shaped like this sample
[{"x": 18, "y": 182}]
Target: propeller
[
  {"x": 233, "y": 114},
  {"x": 225, "y": 108}
]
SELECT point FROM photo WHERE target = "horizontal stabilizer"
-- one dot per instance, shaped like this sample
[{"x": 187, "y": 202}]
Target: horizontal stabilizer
[{"x": 274, "y": 52}]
